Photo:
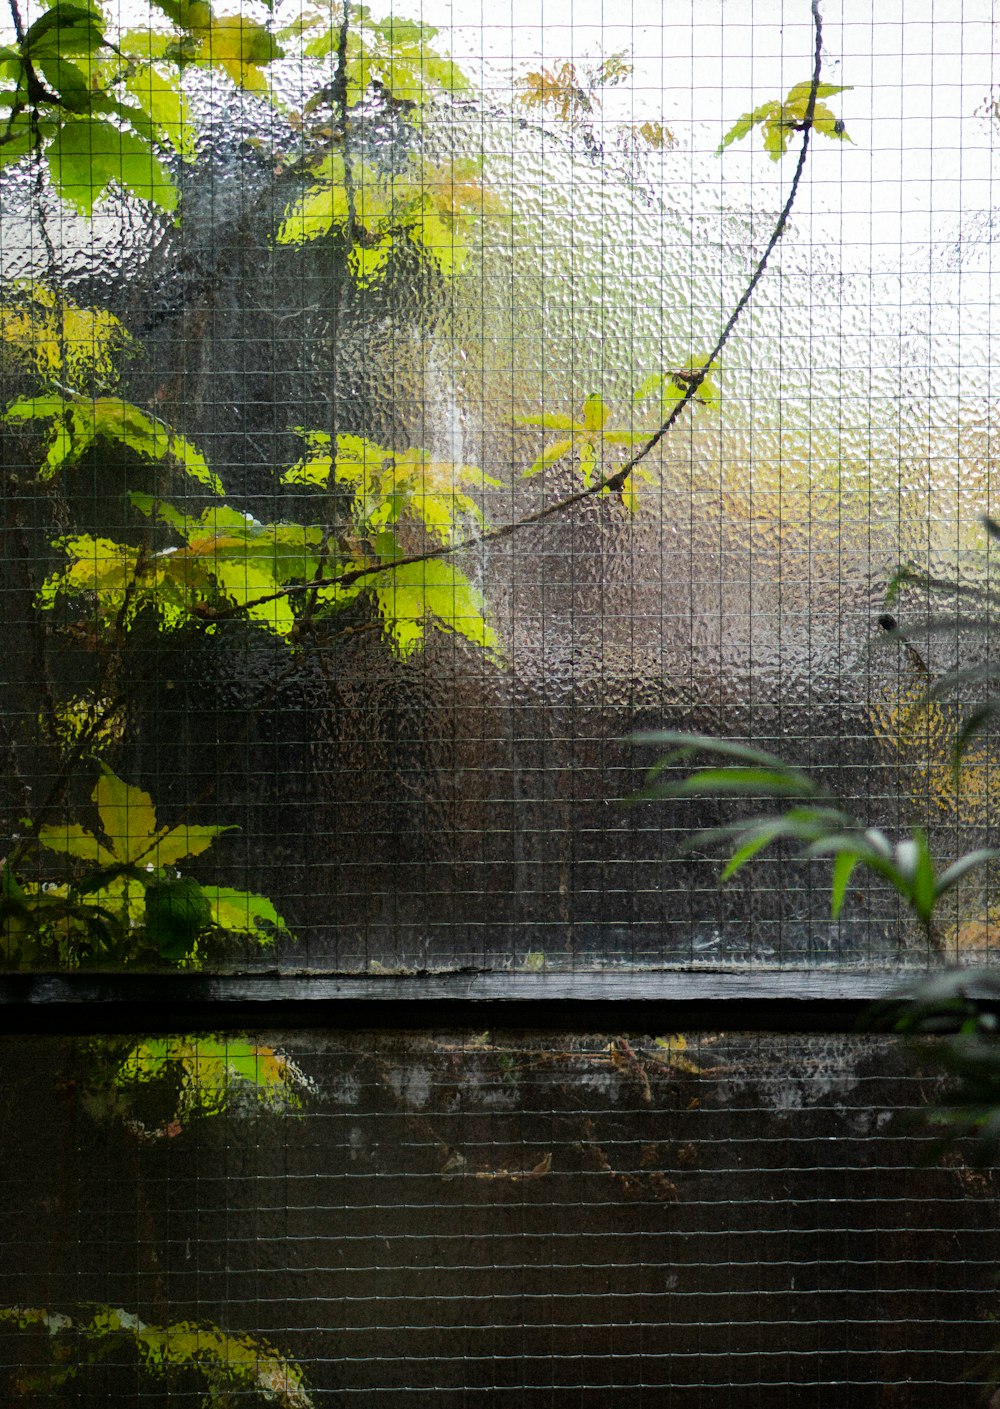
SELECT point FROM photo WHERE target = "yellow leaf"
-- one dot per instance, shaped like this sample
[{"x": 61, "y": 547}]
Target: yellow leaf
[
  {"x": 185, "y": 841},
  {"x": 655, "y": 135},
  {"x": 595, "y": 413},
  {"x": 71, "y": 839},
  {"x": 127, "y": 816}
]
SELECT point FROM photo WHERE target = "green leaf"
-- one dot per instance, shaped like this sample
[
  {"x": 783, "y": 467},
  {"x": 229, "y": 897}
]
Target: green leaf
[
  {"x": 79, "y": 422},
  {"x": 184, "y": 841},
  {"x": 161, "y": 99},
  {"x": 240, "y": 46},
  {"x": 177, "y": 912},
  {"x": 826, "y": 123},
  {"x": 244, "y": 584},
  {"x": 415, "y": 594},
  {"x": 780, "y": 120},
  {"x": 959, "y": 869},
  {"x": 240, "y": 912},
  {"x": 87, "y": 155},
  {"x": 595, "y": 412},
  {"x": 10, "y": 888},
  {"x": 70, "y": 82},
  {"x": 799, "y": 94},
  {"x": 71, "y": 839},
  {"x": 322, "y": 208},
  {"x": 368, "y": 263},
  {"x": 844, "y": 865},
  {"x": 18, "y": 142},
  {"x": 146, "y": 44},
  {"x": 739, "y": 782},
  {"x": 549, "y": 456},
  {"x": 761, "y": 837},
  {"x": 128, "y": 817},
  {"x": 745, "y": 124},
  {"x": 916, "y": 871},
  {"x": 64, "y": 29}
]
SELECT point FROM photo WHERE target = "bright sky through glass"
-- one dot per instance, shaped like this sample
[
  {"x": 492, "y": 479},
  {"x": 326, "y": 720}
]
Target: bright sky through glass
[{"x": 920, "y": 74}]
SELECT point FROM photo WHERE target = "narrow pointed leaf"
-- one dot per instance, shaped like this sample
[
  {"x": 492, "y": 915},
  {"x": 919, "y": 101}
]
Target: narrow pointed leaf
[
  {"x": 763, "y": 837},
  {"x": 548, "y": 457},
  {"x": 753, "y": 782},
  {"x": 844, "y": 865},
  {"x": 685, "y": 745},
  {"x": 961, "y": 868}
]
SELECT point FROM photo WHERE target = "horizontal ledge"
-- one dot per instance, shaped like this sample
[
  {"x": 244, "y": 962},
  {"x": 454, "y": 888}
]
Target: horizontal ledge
[{"x": 746, "y": 999}]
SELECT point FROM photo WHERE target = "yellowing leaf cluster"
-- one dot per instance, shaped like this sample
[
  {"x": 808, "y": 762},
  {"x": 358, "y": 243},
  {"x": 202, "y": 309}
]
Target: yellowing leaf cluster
[
  {"x": 58, "y": 339},
  {"x": 75, "y": 422},
  {"x": 212, "y": 1074},
  {"x": 394, "y": 494},
  {"x": 395, "y": 54},
  {"x": 129, "y": 834},
  {"x": 778, "y": 121},
  {"x": 432, "y": 207}
]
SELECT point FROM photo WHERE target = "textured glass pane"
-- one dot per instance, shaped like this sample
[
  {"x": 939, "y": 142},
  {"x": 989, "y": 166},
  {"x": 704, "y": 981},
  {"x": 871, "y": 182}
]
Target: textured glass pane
[
  {"x": 480, "y": 283},
  {"x": 359, "y": 1219}
]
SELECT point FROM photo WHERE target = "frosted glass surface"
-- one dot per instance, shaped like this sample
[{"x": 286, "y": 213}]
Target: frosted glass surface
[{"x": 451, "y": 804}]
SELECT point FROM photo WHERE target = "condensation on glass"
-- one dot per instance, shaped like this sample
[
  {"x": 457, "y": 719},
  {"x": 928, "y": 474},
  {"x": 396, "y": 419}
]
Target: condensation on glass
[{"x": 462, "y": 806}]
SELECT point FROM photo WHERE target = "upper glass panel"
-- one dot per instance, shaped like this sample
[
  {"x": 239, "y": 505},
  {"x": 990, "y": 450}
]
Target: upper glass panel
[{"x": 298, "y": 302}]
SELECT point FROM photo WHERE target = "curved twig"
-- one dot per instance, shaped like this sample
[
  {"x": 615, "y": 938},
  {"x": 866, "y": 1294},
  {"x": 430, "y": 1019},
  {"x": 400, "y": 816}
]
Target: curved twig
[{"x": 614, "y": 482}]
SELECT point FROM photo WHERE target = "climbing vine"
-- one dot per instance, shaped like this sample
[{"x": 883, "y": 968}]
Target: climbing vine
[{"x": 368, "y": 534}]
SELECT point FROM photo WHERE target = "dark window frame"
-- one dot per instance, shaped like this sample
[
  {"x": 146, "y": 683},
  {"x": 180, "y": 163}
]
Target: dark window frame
[{"x": 759, "y": 1000}]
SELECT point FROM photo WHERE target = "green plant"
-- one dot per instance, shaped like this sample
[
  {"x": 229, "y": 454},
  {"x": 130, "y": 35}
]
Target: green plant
[
  {"x": 362, "y": 530},
  {"x": 806, "y": 817},
  {"x": 591, "y": 437},
  {"x": 779, "y": 120},
  {"x": 158, "y": 1086},
  {"x": 226, "y": 1365},
  {"x": 129, "y": 902}
]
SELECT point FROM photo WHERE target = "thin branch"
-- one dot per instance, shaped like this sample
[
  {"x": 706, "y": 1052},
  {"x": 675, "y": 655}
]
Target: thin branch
[
  {"x": 615, "y": 482},
  {"x": 15, "y": 14}
]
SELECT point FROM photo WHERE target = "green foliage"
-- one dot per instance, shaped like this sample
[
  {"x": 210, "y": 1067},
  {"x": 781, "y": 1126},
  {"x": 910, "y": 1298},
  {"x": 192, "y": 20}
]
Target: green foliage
[
  {"x": 127, "y": 901},
  {"x": 58, "y": 340},
  {"x": 394, "y": 502},
  {"x": 378, "y": 507},
  {"x": 80, "y": 101},
  {"x": 432, "y": 208},
  {"x": 75, "y": 423},
  {"x": 380, "y": 210},
  {"x": 810, "y": 819},
  {"x": 778, "y": 120},
  {"x": 228, "y": 1365},
  {"x": 966, "y": 610},
  {"x": 394, "y": 55},
  {"x": 159, "y": 1086},
  {"x": 87, "y": 155},
  {"x": 589, "y": 435},
  {"x": 959, "y": 1010},
  {"x": 670, "y": 387}
]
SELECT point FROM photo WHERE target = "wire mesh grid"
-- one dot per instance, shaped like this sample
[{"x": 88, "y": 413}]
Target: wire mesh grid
[
  {"x": 337, "y": 563},
  {"x": 401, "y": 407},
  {"x": 488, "y": 1219}
]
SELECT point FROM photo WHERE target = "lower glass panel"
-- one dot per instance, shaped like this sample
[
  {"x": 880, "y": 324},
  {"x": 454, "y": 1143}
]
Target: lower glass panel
[{"x": 309, "y": 1219}]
